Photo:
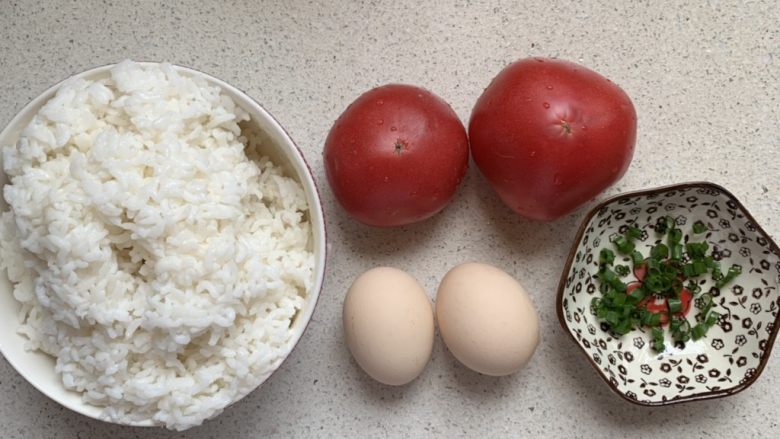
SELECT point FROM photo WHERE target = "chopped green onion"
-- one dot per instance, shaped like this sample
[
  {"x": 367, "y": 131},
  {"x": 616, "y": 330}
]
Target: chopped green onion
[
  {"x": 662, "y": 225},
  {"x": 712, "y": 319},
  {"x": 699, "y": 331},
  {"x": 696, "y": 250},
  {"x": 693, "y": 287},
  {"x": 734, "y": 271},
  {"x": 622, "y": 328},
  {"x": 651, "y": 319},
  {"x": 699, "y": 227},
  {"x": 658, "y": 340},
  {"x": 606, "y": 256},
  {"x": 675, "y": 305},
  {"x": 699, "y": 267},
  {"x": 624, "y": 246},
  {"x": 672, "y": 266},
  {"x": 637, "y": 294},
  {"x": 675, "y": 236},
  {"x": 660, "y": 251},
  {"x": 634, "y": 232},
  {"x": 677, "y": 252}
]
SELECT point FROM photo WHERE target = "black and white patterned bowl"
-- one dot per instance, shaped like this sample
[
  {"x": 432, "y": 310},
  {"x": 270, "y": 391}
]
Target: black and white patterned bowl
[{"x": 733, "y": 353}]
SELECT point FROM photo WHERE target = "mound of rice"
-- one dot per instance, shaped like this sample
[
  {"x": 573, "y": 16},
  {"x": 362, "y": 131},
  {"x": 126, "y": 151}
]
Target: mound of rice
[{"x": 157, "y": 262}]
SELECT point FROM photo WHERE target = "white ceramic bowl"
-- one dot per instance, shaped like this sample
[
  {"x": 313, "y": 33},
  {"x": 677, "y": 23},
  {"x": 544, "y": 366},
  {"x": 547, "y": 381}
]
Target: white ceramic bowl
[{"x": 38, "y": 368}]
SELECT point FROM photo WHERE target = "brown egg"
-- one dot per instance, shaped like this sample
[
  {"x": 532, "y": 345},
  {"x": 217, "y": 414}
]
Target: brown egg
[
  {"x": 486, "y": 319},
  {"x": 388, "y": 324}
]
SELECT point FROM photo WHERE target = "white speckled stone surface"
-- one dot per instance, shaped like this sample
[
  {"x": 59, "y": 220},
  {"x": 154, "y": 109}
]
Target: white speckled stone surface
[{"x": 704, "y": 79}]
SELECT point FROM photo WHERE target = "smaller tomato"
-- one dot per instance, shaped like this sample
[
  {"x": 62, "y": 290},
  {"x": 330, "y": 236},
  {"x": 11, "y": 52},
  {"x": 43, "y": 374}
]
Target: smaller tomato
[{"x": 396, "y": 155}]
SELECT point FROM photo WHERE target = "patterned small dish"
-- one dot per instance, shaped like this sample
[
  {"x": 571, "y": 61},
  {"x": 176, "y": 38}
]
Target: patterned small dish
[{"x": 733, "y": 353}]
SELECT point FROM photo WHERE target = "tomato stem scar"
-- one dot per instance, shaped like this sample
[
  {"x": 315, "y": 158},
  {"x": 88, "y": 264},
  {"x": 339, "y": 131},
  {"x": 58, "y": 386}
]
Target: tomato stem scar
[
  {"x": 400, "y": 146},
  {"x": 566, "y": 127}
]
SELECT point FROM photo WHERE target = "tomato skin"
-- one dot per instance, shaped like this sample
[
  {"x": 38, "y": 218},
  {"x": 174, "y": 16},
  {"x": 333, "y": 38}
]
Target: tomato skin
[
  {"x": 640, "y": 271},
  {"x": 652, "y": 304},
  {"x": 549, "y": 135},
  {"x": 686, "y": 297},
  {"x": 396, "y": 155}
]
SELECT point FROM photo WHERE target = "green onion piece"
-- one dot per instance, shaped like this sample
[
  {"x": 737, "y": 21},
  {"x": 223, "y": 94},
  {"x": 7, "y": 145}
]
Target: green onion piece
[
  {"x": 675, "y": 305},
  {"x": 699, "y": 267},
  {"x": 677, "y": 252},
  {"x": 706, "y": 303},
  {"x": 693, "y": 287},
  {"x": 619, "y": 286},
  {"x": 688, "y": 270},
  {"x": 658, "y": 340},
  {"x": 716, "y": 273},
  {"x": 637, "y": 295},
  {"x": 612, "y": 318},
  {"x": 680, "y": 329},
  {"x": 675, "y": 236},
  {"x": 634, "y": 232},
  {"x": 696, "y": 250},
  {"x": 606, "y": 256},
  {"x": 699, "y": 331},
  {"x": 699, "y": 227},
  {"x": 662, "y": 225},
  {"x": 653, "y": 283},
  {"x": 636, "y": 257},
  {"x": 652, "y": 319},
  {"x": 606, "y": 275},
  {"x": 622, "y": 328},
  {"x": 712, "y": 319},
  {"x": 733, "y": 272},
  {"x": 660, "y": 251},
  {"x": 623, "y": 245}
]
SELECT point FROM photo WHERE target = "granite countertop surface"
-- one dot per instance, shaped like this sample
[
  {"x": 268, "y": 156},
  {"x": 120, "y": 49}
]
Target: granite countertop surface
[{"x": 704, "y": 77}]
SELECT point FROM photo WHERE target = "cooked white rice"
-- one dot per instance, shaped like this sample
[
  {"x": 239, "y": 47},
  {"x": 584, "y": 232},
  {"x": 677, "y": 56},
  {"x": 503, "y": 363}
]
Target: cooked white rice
[{"x": 152, "y": 258}]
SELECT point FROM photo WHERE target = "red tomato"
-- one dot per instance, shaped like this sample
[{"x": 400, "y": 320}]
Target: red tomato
[
  {"x": 549, "y": 135},
  {"x": 656, "y": 304},
  {"x": 396, "y": 155},
  {"x": 686, "y": 298},
  {"x": 632, "y": 286}
]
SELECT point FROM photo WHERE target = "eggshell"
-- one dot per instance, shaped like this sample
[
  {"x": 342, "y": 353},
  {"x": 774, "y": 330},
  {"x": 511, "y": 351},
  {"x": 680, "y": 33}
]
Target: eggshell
[
  {"x": 388, "y": 324},
  {"x": 486, "y": 319}
]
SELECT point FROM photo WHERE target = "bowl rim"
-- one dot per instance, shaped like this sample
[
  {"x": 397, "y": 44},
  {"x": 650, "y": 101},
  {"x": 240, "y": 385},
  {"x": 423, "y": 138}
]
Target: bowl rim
[
  {"x": 773, "y": 247},
  {"x": 308, "y": 177}
]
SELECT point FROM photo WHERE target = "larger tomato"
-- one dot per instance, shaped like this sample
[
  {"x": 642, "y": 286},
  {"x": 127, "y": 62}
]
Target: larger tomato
[
  {"x": 396, "y": 155},
  {"x": 549, "y": 135}
]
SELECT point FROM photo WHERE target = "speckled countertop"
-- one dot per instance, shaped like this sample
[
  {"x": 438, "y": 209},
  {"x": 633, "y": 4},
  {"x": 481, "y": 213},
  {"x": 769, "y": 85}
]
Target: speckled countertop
[{"x": 704, "y": 77}]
